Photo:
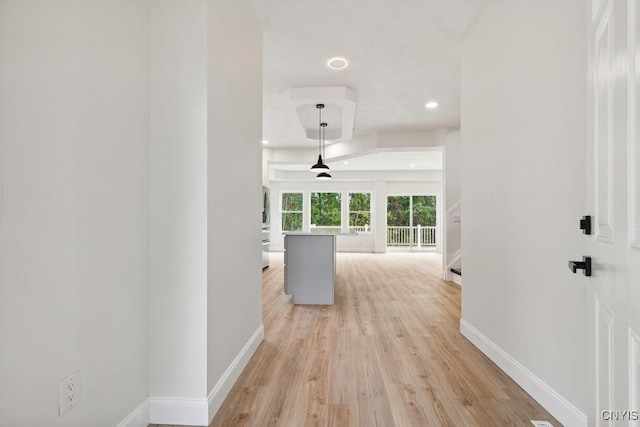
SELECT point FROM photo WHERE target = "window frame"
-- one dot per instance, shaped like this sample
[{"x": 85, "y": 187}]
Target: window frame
[
  {"x": 349, "y": 212},
  {"x": 283, "y": 211},
  {"x": 312, "y": 226}
]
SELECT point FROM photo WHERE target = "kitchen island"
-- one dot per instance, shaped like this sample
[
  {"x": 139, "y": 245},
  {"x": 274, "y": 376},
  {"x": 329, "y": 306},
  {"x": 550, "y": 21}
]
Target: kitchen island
[{"x": 310, "y": 267}]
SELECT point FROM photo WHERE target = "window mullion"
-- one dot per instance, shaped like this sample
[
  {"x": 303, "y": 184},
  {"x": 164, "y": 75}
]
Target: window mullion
[
  {"x": 344, "y": 207},
  {"x": 306, "y": 212}
]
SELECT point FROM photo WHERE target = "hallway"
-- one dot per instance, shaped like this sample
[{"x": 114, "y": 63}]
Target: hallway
[{"x": 388, "y": 353}]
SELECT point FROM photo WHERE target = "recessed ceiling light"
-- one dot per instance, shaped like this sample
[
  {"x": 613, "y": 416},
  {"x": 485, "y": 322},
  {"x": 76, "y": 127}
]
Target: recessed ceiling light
[
  {"x": 265, "y": 142},
  {"x": 337, "y": 63},
  {"x": 413, "y": 165},
  {"x": 345, "y": 163},
  {"x": 431, "y": 105}
]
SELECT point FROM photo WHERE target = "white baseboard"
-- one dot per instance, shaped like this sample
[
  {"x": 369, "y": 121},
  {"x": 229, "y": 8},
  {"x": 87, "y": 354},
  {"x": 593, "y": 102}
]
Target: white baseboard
[
  {"x": 193, "y": 412},
  {"x": 553, "y": 402},
  {"x": 456, "y": 278},
  {"x": 178, "y": 410},
  {"x": 450, "y": 276},
  {"x": 139, "y": 417},
  {"x": 228, "y": 379}
]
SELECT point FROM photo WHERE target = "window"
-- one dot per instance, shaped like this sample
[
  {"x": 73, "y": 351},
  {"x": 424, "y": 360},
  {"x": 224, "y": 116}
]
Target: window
[
  {"x": 424, "y": 210},
  {"x": 359, "y": 212},
  {"x": 325, "y": 212},
  {"x": 411, "y": 220},
  {"x": 291, "y": 211},
  {"x": 398, "y": 211}
]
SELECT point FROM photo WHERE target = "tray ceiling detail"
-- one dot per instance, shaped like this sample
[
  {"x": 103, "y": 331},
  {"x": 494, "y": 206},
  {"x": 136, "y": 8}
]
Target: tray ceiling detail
[{"x": 339, "y": 112}]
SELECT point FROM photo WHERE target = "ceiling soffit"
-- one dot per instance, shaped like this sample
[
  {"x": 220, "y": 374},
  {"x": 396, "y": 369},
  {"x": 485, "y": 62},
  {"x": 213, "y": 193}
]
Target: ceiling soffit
[{"x": 339, "y": 112}]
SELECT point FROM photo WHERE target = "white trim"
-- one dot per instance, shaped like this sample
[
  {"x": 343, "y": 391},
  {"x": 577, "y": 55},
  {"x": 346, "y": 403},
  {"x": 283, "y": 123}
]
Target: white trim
[
  {"x": 139, "y": 417},
  {"x": 357, "y": 250},
  {"x": 230, "y": 376},
  {"x": 455, "y": 258},
  {"x": 449, "y": 275},
  {"x": 455, "y": 278},
  {"x": 195, "y": 412},
  {"x": 340, "y": 96},
  {"x": 449, "y": 259},
  {"x": 454, "y": 207},
  {"x": 553, "y": 402},
  {"x": 604, "y": 217},
  {"x": 634, "y": 363},
  {"x": 605, "y": 316},
  {"x": 633, "y": 144},
  {"x": 595, "y": 8},
  {"x": 178, "y": 410},
  {"x": 367, "y": 250}
]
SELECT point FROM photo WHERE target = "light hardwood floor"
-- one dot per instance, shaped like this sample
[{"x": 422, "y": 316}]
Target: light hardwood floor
[{"x": 388, "y": 353}]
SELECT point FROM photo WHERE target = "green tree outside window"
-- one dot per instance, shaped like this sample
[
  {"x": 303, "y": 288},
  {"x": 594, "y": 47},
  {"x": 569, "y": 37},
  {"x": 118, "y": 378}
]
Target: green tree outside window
[
  {"x": 326, "y": 211},
  {"x": 359, "y": 211},
  {"x": 291, "y": 211}
]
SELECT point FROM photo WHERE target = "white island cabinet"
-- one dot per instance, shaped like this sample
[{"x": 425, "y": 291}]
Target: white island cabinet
[{"x": 310, "y": 267}]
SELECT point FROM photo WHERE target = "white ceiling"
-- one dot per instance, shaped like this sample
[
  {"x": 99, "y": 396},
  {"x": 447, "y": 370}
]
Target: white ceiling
[
  {"x": 402, "y": 53},
  {"x": 418, "y": 160}
]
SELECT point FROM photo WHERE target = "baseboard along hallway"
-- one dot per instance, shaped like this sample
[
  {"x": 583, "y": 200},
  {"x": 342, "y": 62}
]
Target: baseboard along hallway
[{"x": 388, "y": 353}]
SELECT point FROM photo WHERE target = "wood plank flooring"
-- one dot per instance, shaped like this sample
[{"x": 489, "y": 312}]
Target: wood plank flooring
[{"x": 388, "y": 353}]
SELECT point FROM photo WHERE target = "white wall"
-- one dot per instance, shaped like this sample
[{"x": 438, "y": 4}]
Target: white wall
[
  {"x": 178, "y": 250},
  {"x": 355, "y": 175},
  {"x": 452, "y": 196},
  {"x": 523, "y": 169},
  {"x": 234, "y": 93},
  {"x": 114, "y": 118},
  {"x": 379, "y": 210},
  {"x": 406, "y": 139},
  {"x": 74, "y": 114},
  {"x": 453, "y": 169},
  {"x": 355, "y": 146},
  {"x": 286, "y": 155},
  {"x": 267, "y": 156},
  {"x": 384, "y": 140},
  {"x": 407, "y": 188}
]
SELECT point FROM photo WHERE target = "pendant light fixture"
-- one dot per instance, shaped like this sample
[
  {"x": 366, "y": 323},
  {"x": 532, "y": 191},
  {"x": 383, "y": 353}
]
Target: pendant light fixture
[
  {"x": 324, "y": 175},
  {"x": 320, "y": 166}
]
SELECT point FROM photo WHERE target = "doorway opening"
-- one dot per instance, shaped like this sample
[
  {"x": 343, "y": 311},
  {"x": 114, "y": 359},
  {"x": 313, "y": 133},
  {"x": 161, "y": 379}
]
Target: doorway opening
[{"x": 412, "y": 223}]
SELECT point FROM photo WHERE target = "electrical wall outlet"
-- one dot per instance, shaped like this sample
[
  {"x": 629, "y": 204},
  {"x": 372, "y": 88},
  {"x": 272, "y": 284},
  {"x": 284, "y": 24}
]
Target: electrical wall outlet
[
  {"x": 538, "y": 423},
  {"x": 69, "y": 391}
]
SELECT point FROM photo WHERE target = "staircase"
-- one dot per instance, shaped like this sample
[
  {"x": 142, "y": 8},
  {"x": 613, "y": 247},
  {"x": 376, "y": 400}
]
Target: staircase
[{"x": 453, "y": 254}]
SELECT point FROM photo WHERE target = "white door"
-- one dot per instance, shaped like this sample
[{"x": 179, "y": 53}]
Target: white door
[{"x": 613, "y": 199}]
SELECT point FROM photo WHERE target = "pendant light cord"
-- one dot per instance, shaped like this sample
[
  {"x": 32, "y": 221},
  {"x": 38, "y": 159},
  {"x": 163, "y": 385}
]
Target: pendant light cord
[
  {"x": 323, "y": 130},
  {"x": 320, "y": 107},
  {"x": 320, "y": 131}
]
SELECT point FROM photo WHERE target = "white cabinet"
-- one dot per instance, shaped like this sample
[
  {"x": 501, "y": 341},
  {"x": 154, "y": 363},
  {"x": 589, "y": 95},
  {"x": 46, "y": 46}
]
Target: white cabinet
[{"x": 310, "y": 268}]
